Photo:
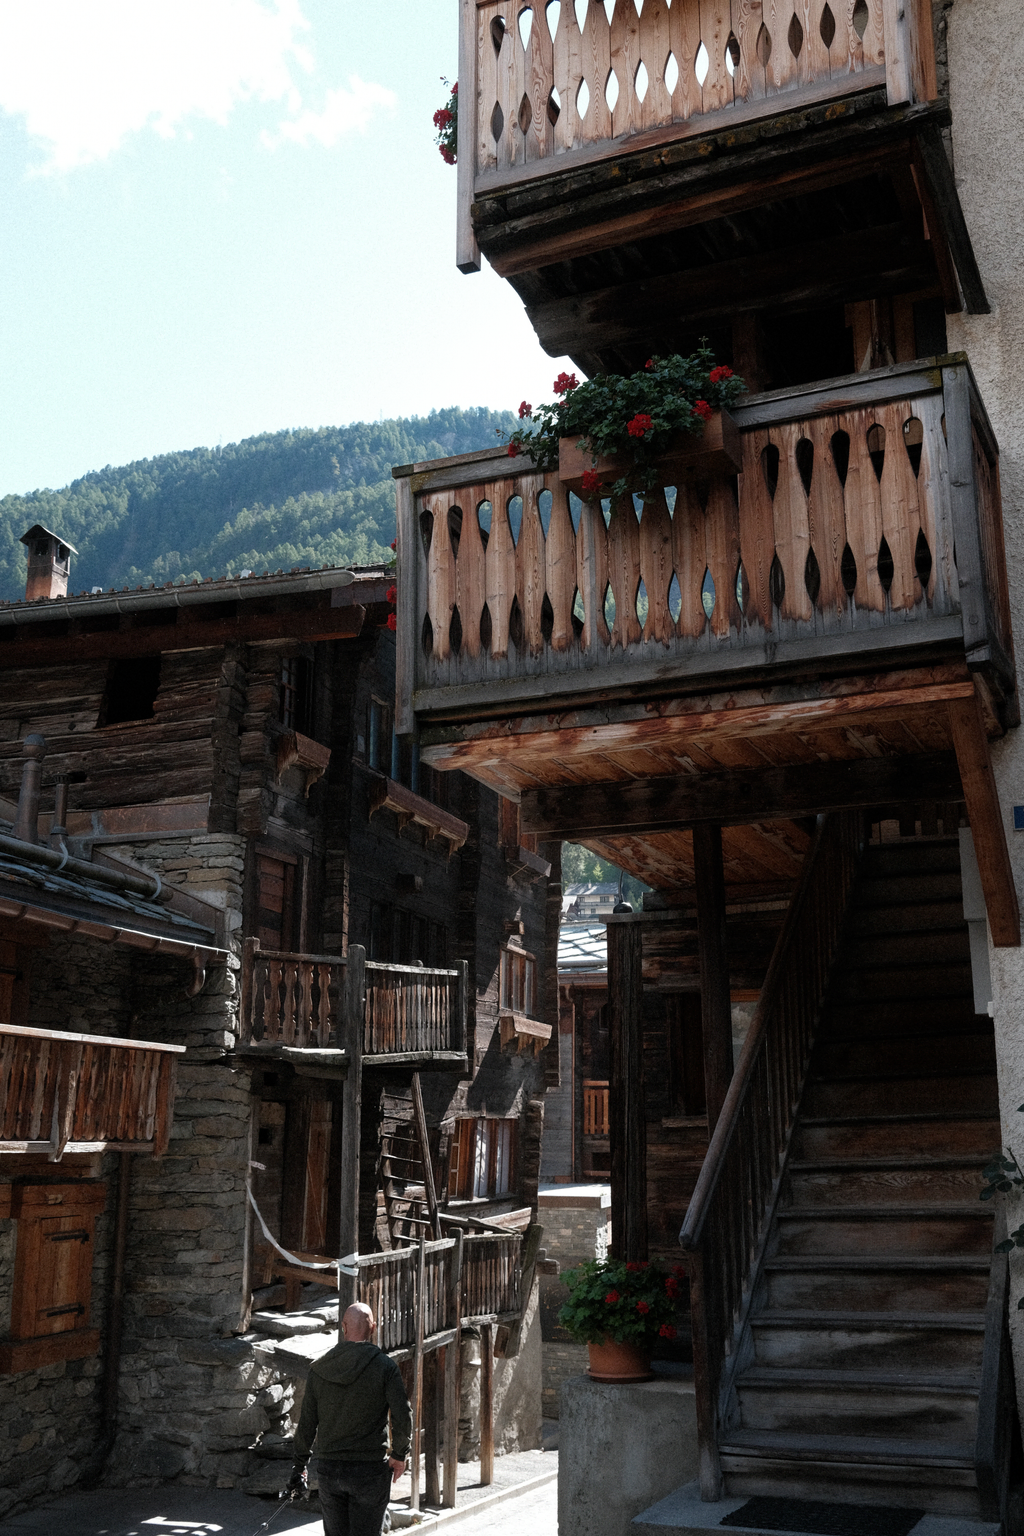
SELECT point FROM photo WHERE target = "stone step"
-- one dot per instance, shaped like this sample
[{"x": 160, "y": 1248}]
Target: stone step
[
  {"x": 867, "y": 1340},
  {"x": 886, "y": 1229},
  {"x": 684, "y": 1513}
]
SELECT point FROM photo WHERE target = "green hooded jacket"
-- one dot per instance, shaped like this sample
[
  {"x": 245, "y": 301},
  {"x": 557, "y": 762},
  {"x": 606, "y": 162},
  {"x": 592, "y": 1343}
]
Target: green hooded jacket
[{"x": 350, "y": 1393}]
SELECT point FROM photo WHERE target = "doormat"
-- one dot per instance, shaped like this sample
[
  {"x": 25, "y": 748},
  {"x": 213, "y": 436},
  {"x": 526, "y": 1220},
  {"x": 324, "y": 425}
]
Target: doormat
[{"x": 818, "y": 1519}]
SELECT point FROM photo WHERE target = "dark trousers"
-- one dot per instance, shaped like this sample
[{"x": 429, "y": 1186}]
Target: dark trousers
[{"x": 353, "y": 1496}]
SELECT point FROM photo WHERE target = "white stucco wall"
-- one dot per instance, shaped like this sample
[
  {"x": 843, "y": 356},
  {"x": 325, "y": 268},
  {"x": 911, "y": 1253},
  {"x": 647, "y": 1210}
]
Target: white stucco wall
[{"x": 986, "y": 57}]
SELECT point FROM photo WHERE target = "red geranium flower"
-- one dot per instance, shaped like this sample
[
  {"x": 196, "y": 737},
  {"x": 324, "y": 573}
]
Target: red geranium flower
[
  {"x": 703, "y": 410},
  {"x": 640, "y": 425},
  {"x": 446, "y": 154},
  {"x": 391, "y": 594},
  {"x": 612, "y": 1296},
  {"x": 394, "y": 543},
  {"x": 455, "y": 88},
  {"x": 442, "y": 117},
  {"x": 642, "y": 1308},
  {"x": 525, "y": 409},
  {"x": 649, "y": 363},
  {"x": 564, "y": 383},
  {"x": 666, "y": 1331},
  {"x": 671, "y": 1288},
  {"x": 591, "y": 481},
  {"x": 514, "y": 450},
  {"x": 718, "y": 374},
  {"x": 392, "y": 621}
]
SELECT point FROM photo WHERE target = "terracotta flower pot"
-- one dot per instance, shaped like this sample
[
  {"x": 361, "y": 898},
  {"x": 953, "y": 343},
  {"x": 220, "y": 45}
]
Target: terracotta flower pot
[
  {"x": 716, "y": 451},
  {"x": 610, "y": 1361}
]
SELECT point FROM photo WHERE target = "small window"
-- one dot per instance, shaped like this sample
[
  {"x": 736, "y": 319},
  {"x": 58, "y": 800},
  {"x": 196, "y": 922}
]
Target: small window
[
  {"x": 132, "y": 687},
  {"x": 517, "y": 981},
  {"x": 296, "y": 694},
  {"x": 378, "y": 736},
  {"x": 482, "y": 1159}
]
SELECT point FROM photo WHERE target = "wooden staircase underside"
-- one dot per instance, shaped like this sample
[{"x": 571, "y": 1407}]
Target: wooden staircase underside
[{"x": 860, "y": 1374}]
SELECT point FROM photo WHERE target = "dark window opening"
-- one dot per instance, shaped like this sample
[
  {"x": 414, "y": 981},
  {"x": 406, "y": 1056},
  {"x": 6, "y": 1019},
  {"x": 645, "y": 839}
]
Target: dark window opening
[
  {"x": 378, "y": 736},
  {"x": 132, "y": 686},
  {"x": 803, "y": 348},
  {"x": 296, "y": 694},
  {"x": 930, "y": 328}
]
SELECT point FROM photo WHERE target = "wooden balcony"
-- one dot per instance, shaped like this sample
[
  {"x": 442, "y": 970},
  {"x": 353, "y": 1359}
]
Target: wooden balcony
[
  {"x": 298, "y": 1006},
  {"x": 844, "y": 599},
  {"x": 483, "y": 1288},
  {"x": 598, "y": 158},
  {"x": 84, "y": 1093}
]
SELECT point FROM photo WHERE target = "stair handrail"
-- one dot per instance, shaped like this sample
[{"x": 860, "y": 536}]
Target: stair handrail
[{"x": 725, "y": 1224}]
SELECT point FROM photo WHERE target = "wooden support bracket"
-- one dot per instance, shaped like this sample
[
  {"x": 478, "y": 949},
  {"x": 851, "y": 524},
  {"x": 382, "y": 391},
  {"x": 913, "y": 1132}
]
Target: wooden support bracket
[{"x": 967, "y": 728}]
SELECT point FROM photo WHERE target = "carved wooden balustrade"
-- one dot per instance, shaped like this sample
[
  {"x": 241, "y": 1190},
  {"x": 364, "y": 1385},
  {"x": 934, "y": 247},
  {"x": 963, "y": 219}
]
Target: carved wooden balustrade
[
  {"x": 866, "y": 519},
  {"x": 548, "y": 86},
  {"x": 487, "y": 1286},
  {"x": 63, "y": 1092},
  {"x": 297, "y": 1000},
  {"x": 729, "y": 1212}
]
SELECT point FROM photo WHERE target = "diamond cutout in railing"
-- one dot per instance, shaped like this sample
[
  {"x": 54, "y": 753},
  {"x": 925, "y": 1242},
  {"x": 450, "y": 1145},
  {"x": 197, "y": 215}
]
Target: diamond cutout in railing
[
  {"x": 427, "y": 636},
  {"x": 515, "y": 624},
  {"x": 547, "y": 619},
  {"x": 579, "y": 613},
  {"x": 886, "y": 565},
  {"x": 640, "y": 81},
  {"x": 581, "y": 7},
  {"x": 582, "y": 99},
  {"x": 913, "y": 442},
  {"x": 484, "y": 512},
  {"x": 525, "y": 114},
  {"x": 848, "y": 571},
  {"x": 497, "y": 122},
  {"x": 525, "y": 25},
  {"x": 777, "y": 582},
  {"x": 515, "y": 518},
  {"x": 498, "y": 32},
  {"x": 763, "y": 46},
  {"x": 642, "y": 604},
  {"x": 552, "y": 12},
  {"x": 544, "y": 504},
  {"x": 675, "y": 598},
  {"x": 455, "y": 631},
  {"x": 609, "y": 606},
  {"x": 455, "y": 529},
  {"x": 611, "y": 90},
  {"x": 795, "y": 35},
  {"x": 701, "y": 65},
  {"x": 485, "y": 629},
  {"x": 708, "y": 595},
  {"x": 827, "y": 26},
  {"x": 922, "y": 559},
  {"x": 670, "y": 73},
  {"x": 732, "y": 53},
  {"x": 812, "y": 577}
]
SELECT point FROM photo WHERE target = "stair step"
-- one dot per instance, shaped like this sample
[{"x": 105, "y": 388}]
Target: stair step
[
  {"x": 889, "y": 1095},
  {"x": 886, "y": 983},
  {"x": 892, "y": 1230},
  {"x": 976, "y": 1136},
  {"x": 877, "y": 951},
  {"x": 937, "y": 1476},
  {"x": 908, "y": 890},
  {"x": 923, "y": 855},
  {"x": 862, "y": 1341},
  {"x": 854, "y": 1408},
  {"x": 964, "y": 1052},
  {"x": 930, "y": 917},
  {"x": 869, "y": 1183},
  {"x": 904, "y": 1017},
  {"x": 877, "y": 1283}
]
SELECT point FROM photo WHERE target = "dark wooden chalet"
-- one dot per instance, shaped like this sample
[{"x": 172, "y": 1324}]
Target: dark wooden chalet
[
  {"x": 726, "y": 688},
  {"x": 211, "y": 836}
]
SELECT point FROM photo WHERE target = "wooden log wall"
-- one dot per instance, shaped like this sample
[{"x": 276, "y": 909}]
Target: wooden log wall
[
  {"x": 839, "y": 524},
  {"x": 549, "y": 91}
]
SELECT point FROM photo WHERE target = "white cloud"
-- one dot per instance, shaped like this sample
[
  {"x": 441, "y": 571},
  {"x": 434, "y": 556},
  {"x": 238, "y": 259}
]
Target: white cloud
[
  {"x": 84, "y": 74},
  {"x": 343, "y": 111}
]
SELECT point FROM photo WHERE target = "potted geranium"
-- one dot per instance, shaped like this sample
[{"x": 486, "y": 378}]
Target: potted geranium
[
  {"x": 613, "y": 435},
  {"x": 618, "y": 1310}
]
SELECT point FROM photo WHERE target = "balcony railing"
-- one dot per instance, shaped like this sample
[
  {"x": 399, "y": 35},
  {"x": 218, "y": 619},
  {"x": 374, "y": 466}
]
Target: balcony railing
[
  {"x": 488, "y": 1287},
  {"x": 547, "y": 87},
  {"x": 297, "y": 1000},
  {"x": 866, "y": 521},
  {"x": 71, "y": 1093}
]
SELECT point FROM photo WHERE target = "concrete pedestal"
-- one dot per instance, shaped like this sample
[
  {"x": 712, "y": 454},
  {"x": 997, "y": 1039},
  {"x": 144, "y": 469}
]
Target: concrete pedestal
[{"x": 621, "y": 1449}]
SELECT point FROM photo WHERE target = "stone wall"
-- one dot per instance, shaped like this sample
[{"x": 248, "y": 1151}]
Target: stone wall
[{"x": 572, "y": 1234}]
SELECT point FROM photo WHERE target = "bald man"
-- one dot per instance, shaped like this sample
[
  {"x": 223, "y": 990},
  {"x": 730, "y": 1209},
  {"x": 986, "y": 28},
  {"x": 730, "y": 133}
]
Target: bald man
[{"x": 351, "y": 1393}]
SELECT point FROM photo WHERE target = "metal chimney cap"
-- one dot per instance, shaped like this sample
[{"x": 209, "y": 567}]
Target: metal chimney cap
[{"x": 38, "y": 531}]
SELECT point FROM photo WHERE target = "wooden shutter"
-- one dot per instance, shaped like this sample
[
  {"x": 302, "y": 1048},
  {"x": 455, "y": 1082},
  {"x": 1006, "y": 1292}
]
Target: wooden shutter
[
  {"x": 275, "y": 918},
  {"x": 52, "y": 1274}
]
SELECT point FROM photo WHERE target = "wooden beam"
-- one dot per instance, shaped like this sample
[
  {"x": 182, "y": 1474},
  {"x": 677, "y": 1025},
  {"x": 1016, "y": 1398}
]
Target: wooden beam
[
  {"x": 986, "y": 819},
  {"x": 428, "y": 1168},
  {"x": 839, "y": 270},
  {"x": 627, "y": 1110},
  {"x": 188, "y": 634},
  {"x": 736, "y": 797},
  {"x": 937, "y": 188},
  {"x": 486, "y": 1404},
  {"x": 715, "y": 1004},
  {"x": 488, "y": 742},
  {"x": 452, "y": 1373},
  {"x": 431, "y": 1447},
  {"x": 351, "y": 1022}
]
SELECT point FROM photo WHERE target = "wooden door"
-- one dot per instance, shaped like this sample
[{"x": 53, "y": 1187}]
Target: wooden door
[{"x": 275, "y": 915}]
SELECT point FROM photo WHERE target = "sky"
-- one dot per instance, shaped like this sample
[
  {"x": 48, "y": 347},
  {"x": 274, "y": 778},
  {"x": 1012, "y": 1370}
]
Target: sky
[{"x": 225, "y": 217}]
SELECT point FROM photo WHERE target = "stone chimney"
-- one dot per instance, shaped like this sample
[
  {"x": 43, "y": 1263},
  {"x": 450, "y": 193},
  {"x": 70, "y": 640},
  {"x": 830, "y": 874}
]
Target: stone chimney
[{"x": 49, "y": 563}]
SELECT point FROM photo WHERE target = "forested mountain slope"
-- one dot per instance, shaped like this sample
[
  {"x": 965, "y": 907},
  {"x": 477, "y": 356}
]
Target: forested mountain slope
[{"x": 313, "y": 497}]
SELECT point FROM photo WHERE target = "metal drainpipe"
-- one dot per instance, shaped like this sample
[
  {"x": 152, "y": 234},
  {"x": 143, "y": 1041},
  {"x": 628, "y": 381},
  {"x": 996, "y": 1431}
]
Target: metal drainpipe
[
  {"x": 115, "y": 1327},
  {"x": 26, "y": 821}
]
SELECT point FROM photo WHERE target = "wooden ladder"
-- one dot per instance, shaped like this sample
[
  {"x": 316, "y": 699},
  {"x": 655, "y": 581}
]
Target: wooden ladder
[{"x": 407, "y": 1176}]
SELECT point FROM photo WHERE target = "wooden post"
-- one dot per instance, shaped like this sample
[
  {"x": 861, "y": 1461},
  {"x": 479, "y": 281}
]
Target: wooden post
[
  {"x": 628, "y": 1129},
  {"x": 250, "y": 949},
  {"x": 467, "y": 251},
  {"x": 897, "y": 53},
  {"x": 408, "y": 584},
  {"x": 432, "y": 1481},
  {"x": 428, "y": 1167},
  {"x": 452, "y": 1371},
  {"x": 486, "y": 1405},
  {"x": 351, "y": 1123},
  {"x": 715, "y": 1007},
  {"x": 461, "y": 1041},
  {"x": 417, "y": 1378},
  {"x": 985, "y": 815}
]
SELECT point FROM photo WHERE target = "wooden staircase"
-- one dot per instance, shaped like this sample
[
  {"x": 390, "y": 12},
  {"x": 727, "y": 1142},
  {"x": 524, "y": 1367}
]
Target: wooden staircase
[{"x": 878, "y": 1308}]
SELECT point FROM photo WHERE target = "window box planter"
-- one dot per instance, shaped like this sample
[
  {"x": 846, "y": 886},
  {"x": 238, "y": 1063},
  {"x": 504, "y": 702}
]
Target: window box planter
[{"x": 713, "y": 452}]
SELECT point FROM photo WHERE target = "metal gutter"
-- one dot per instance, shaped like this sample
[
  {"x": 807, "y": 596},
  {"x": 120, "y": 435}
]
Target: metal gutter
[{"x": 150, "y": 888}]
